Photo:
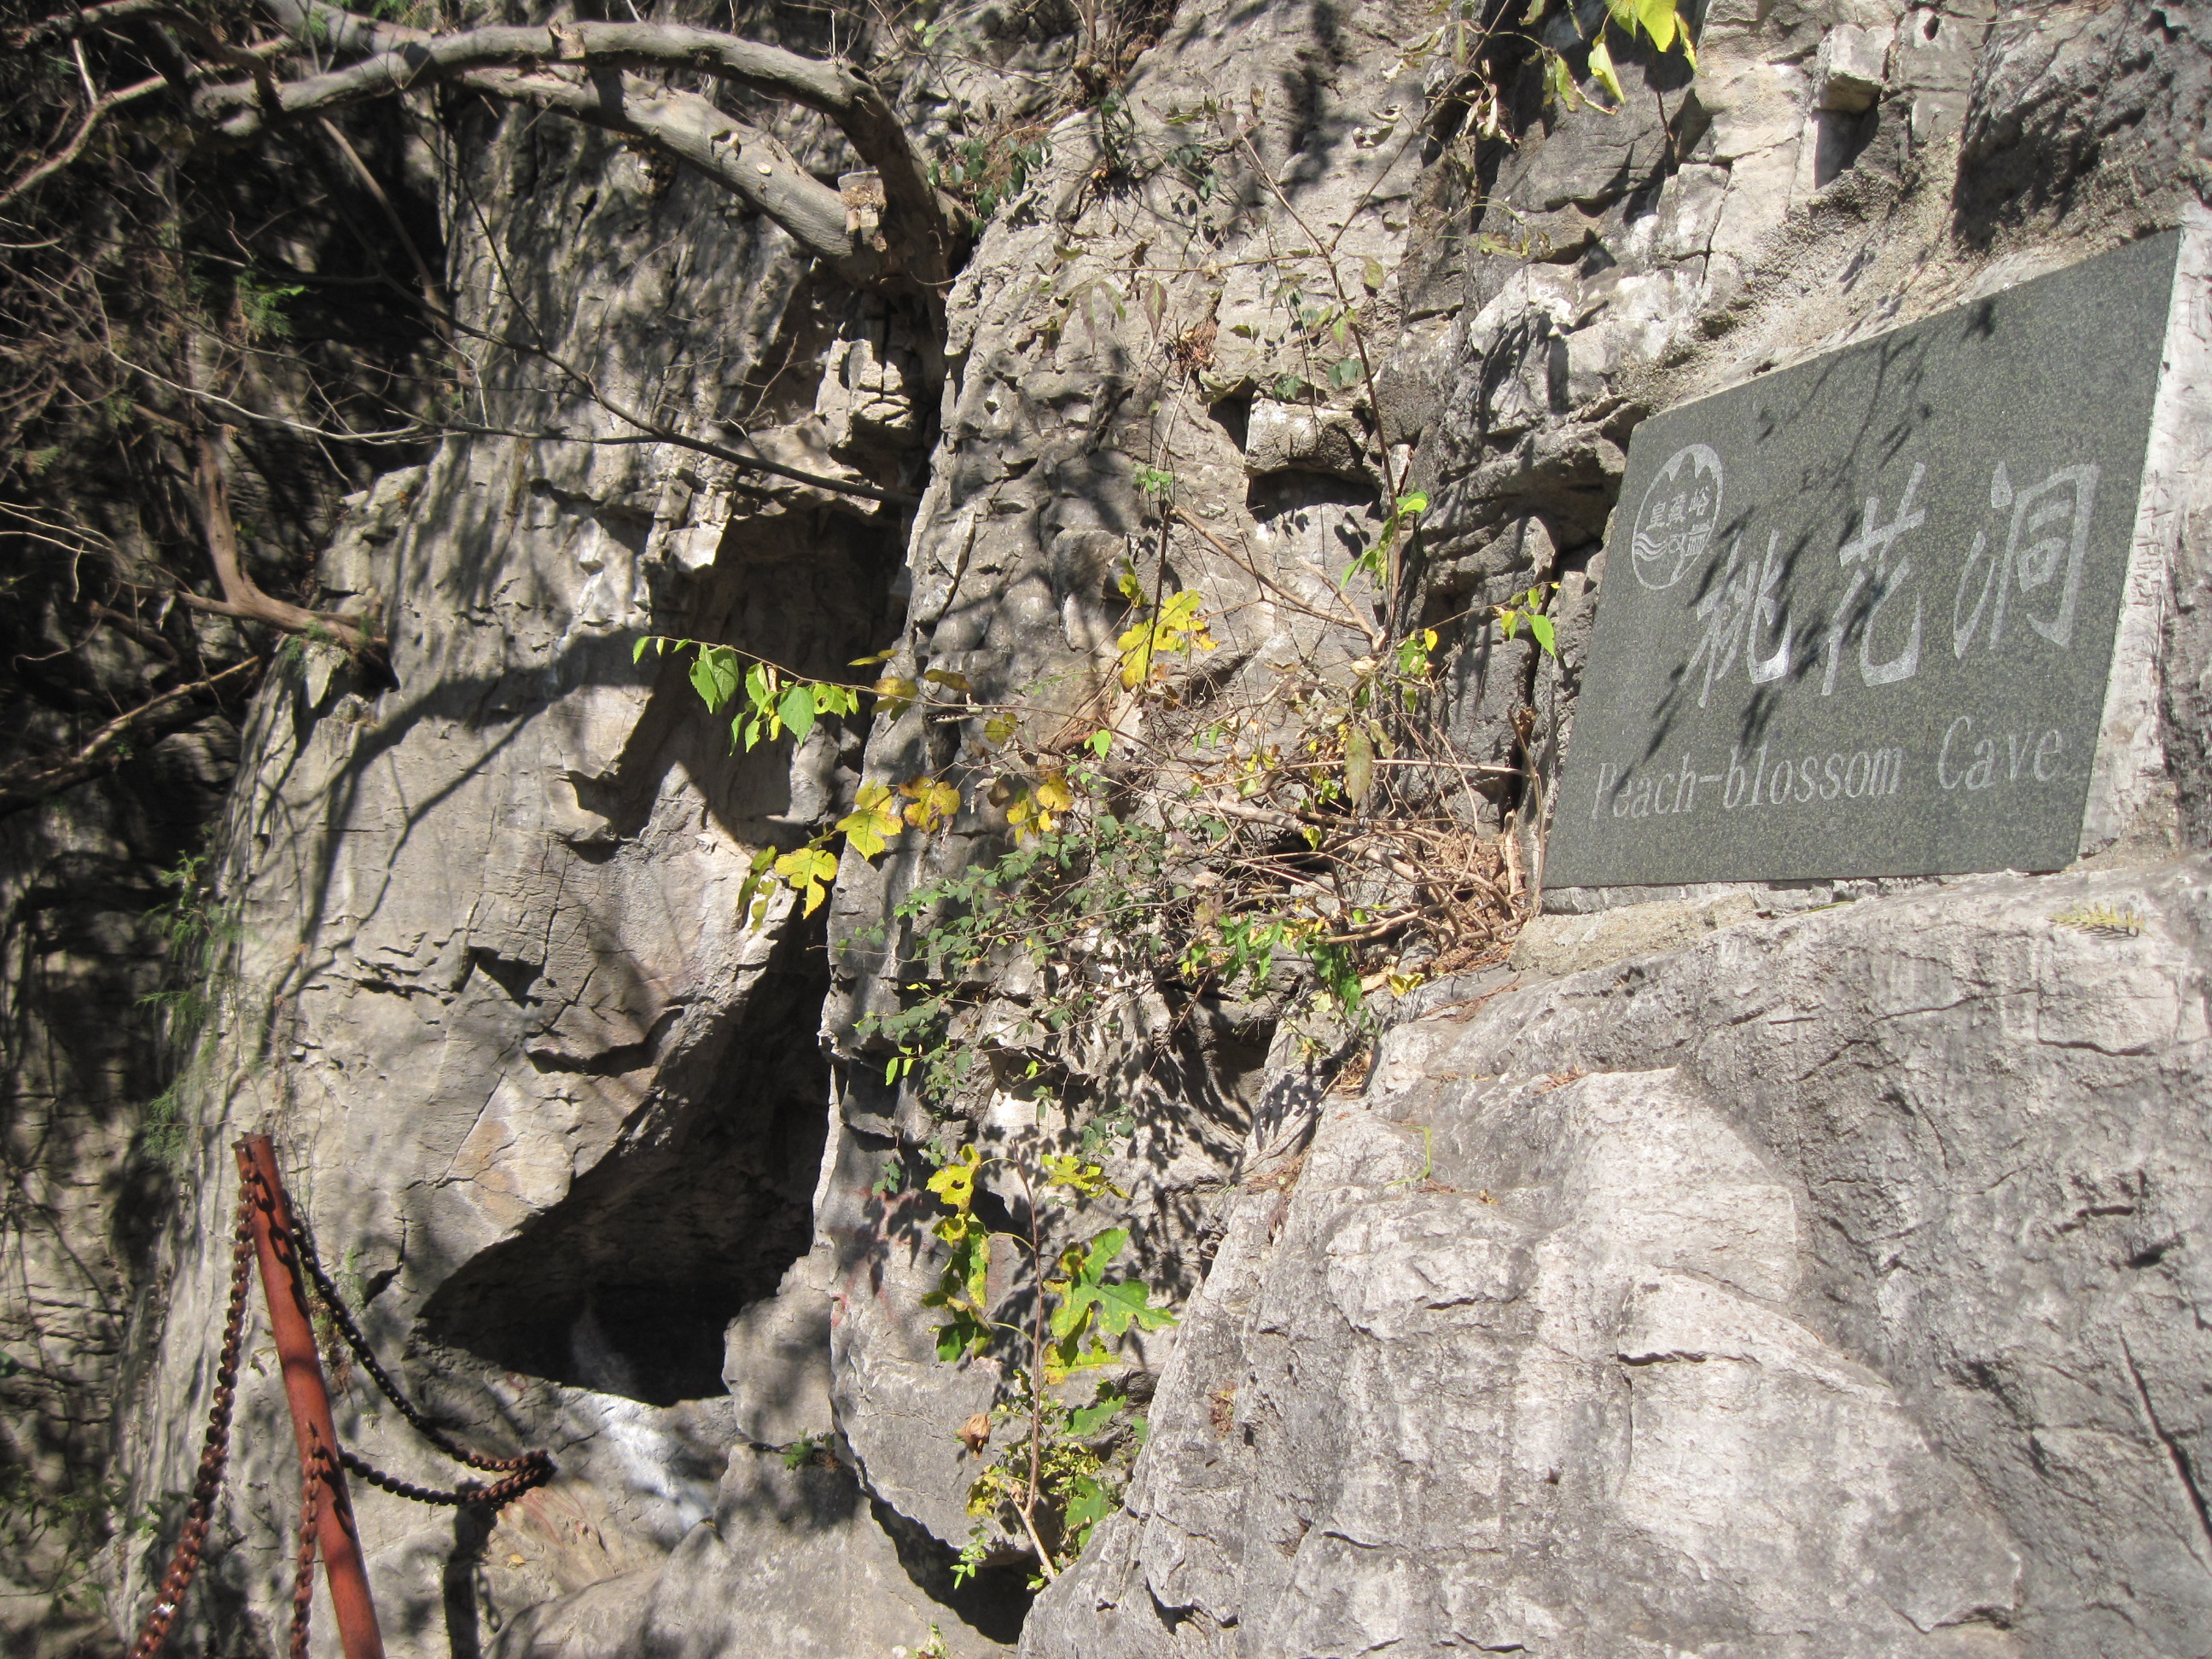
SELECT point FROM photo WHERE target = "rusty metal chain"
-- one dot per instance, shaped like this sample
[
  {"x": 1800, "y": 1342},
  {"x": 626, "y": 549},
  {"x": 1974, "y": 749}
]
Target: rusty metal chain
[
  {"x": 538, "y": 1471},
  {"x": 534, "y": 1463},
  {"x": 522, "y": 1472},
  {"x": 214, "y": 1448},
  {"x": 314, "y": 1476}
]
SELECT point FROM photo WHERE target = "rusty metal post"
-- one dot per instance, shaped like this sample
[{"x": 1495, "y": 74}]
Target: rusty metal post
[{"x": 286, "y": 1285}]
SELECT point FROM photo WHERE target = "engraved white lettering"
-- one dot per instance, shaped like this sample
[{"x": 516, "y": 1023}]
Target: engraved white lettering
[
  {"x": 1721, "y": 610},
  {"x": 1943, "y": 754},
  {"x": 2047, "y": 747},
  {"x": 1762, "y": 613},
  {"x": 1873, "y": 544}
]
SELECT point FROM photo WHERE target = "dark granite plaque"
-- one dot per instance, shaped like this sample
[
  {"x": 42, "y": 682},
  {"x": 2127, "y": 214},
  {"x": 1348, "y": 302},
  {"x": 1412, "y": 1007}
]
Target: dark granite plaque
[{"x": 1856, "y": 615}]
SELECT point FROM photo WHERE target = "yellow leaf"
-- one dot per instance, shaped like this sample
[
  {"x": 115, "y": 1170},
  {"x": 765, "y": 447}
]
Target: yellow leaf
[
  {"x": 936, "y": 803},
  {"x": 808, "y": 873},
  {"x": 1659, "y": 21},
  {"x": 873, "y": 821},
  {"x": 1601, "y": 70},
  {"x": 1053, "y": 793},
  {"x": 949, "y": 678},
  {"x": 897, "y": 695},
  {"x": 955, "y": 1182}
]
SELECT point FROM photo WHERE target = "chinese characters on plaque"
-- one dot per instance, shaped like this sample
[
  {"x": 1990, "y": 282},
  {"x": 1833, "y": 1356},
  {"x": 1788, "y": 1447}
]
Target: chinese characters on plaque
[{"x": 1857, "y": 617}]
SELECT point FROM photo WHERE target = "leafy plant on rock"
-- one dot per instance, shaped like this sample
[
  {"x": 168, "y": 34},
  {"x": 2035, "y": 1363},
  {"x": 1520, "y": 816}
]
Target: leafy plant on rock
[{"x": 1057, "y": 1477}]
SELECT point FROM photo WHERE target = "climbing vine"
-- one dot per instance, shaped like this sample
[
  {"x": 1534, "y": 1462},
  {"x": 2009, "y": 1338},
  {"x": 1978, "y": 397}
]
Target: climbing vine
[{"x": 1058, "y": 1475}]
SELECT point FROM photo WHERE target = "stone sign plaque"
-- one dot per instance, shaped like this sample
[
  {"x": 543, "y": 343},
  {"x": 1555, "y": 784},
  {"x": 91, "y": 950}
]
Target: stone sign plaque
[{"x": 1856, "y": 615}]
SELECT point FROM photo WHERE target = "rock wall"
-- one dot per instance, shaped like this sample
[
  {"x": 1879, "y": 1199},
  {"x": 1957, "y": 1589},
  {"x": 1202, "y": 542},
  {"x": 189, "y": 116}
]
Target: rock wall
[
  {"x": 1716, "y": 1277},
  {"x": 1823, "y": 1287},
  {"x": 1704, "y": 1280},
  {"x": 80, "y": 952}
]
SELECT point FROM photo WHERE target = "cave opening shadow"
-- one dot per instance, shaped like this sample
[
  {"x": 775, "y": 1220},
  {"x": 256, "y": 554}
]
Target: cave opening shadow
[{"x": 627, "y": 1285}]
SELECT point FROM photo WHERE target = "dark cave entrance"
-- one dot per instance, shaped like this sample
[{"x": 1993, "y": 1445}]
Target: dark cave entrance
[{"x": 627, "y": 1284}]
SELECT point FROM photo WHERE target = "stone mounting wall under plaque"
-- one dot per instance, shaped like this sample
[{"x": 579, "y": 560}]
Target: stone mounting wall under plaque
[{"x": 1858, "y": 615}]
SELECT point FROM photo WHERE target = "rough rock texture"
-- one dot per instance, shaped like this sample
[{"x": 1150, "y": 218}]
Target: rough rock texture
[
  {"x": 1844, "y": 1306},
  {"x": 1753, "y": 1340},
  {"x": 79, "y": 1062},
  {"x": 1825, "y": 1287},
  {"x": 1059, "y": 396},
  {"x": 558, "y": 1115}
]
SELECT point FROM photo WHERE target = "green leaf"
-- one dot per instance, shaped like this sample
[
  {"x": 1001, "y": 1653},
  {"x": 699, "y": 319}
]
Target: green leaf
[
  {"x": 1659, "y": 21},
  {"x": 1603, "y": 71},
  {"x": 1372, "y": 274},
  {"x": 1130, "y": 1302},
  {"x": 1540, "y": 628},
  {"x": 1087, "y": 1420},
  {"x": 714, "y": 676},
  {"x": 753, "y": 896},
  {"x": 797, "y": 711},
  {"x": 1089, "y": 1503},
  {"x": 1344, "y": 373},
  {"x": 760, "y": 688},
  {"x": 1561, "y": 82},
  {"x": 965, "y": 1333},
  {"x": 638, "y": 655}
]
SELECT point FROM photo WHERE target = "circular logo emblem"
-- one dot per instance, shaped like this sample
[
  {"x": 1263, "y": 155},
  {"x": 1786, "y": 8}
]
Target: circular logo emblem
[{"x": 1681, "y": 510}]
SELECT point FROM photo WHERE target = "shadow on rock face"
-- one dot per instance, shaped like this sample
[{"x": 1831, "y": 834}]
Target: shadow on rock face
[{"x": 627, "y": 1285}]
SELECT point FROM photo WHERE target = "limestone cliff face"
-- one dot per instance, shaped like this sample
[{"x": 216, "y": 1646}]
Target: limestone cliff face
[
  {"x": 1712, "y": 1278},
  {"x": 1820, "y": 1286}
]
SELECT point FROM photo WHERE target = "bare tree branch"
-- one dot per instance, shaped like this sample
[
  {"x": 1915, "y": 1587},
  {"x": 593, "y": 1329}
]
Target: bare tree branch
[
  {"x": 649, "y": 431},
  {"x": 77, "y": 23},
  {"x": 576, "y": 68},
  {"x": 241, "y": 598},
  {"x": 100, "y": 107},
  {"x": 29, "y": 782}
]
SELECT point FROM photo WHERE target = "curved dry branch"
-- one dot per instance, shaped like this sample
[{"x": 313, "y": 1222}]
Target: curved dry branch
[
  {"x": 29, "y": 782},
  {"x": 86, "y": 21},
  {"x": 242, "y": 597},
  {"x": 580, "y": 70},
  {"x": 75, "y": 146}
]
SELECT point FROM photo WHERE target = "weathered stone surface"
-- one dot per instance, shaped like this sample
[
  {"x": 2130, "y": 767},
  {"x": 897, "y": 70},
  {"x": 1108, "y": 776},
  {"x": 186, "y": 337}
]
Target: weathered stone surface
[
  {"x": 1823, "y": 1287},
  {"x": 792, "y": 1561},
  {"x": 1065, "y": 394},
  {"x": 80, "y": 1062},
  {"x": 536, "y": 1078}
]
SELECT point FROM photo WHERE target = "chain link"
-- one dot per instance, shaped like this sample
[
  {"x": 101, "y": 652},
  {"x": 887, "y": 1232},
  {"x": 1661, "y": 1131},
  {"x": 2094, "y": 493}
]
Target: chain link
[
  {"x": 538, "y": 1471},
  {"x": 341, "y": 1316},
  {"x": 522, "y": 1472},
  {"x": 214, "y": 1448},
  {"x": 314, "y": 1474}
]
